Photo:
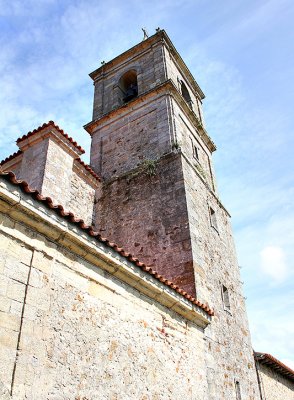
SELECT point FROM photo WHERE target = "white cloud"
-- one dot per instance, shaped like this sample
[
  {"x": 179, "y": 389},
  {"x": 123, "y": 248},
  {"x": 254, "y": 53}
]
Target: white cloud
[
  {"x": 273, "y": 263},
  {"x": 44, "y": 66},
  {"x": 272, "y": 327}
]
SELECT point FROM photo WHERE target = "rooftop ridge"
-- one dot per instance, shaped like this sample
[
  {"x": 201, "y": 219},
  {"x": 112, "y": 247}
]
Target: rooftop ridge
[
  {"x": 11, "y": 157},
  {"x": 58, "y": 208},
  {"x": 272, "y": 362},
  {"x": 46, "y": 125},
  {"x": 89, "y": 169}
]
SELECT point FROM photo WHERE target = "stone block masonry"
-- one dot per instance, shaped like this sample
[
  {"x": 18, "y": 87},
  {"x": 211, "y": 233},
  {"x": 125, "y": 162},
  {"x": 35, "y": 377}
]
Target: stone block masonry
[
  {"x": 130, "y": 137},
  {"x": 81, "y": 318},
  {"x": 274, "y": 385},
  {"x": 173, "y": 219},
  {"x": 159, "y": 234},
  {"x": 49, "y": 161},
  {"x": 82, "y": 332}
]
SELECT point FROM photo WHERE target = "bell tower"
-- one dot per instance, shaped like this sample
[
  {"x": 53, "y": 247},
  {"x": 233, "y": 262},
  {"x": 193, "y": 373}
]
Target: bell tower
[
  {"x": 147, "y": 123},
  {"x": 159, "y": 201}
]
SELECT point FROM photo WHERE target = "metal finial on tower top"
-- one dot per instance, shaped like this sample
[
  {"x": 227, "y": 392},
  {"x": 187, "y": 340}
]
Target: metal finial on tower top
[{"x": 145, "y": 34}]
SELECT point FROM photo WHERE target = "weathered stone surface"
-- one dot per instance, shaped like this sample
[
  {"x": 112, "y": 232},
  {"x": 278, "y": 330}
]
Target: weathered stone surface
[
  {"x": 50, "y": 165},
  {"x": 138, "y": 212},
  {"x": 165, "y": 218},
  {"x": 33, "y": 163},
  {"x": 97, "y": 338},
  {"x": 78, "y": 320},
  {"x": 4, "y": 392},
  {"x": 131, "y": 137},
  {"x": 274, "y": 385},
  {"x": 82, "y": 196}
]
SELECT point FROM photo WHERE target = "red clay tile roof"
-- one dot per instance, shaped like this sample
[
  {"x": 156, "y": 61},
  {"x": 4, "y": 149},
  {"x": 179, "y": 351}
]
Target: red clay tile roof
[
  {"x": 277, "y": 365},
  {"x": 89, "y": 169},
  {"x": 17, "y": 153},
  {"x": 46, "y": 125},
  {"x": 90, "y": 231}
]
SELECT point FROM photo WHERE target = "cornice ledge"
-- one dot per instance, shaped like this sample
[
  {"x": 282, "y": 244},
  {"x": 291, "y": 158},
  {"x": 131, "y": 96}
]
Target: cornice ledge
[
  {"x": 167, "y": 85},
  {"x": 22, "y": 208}
]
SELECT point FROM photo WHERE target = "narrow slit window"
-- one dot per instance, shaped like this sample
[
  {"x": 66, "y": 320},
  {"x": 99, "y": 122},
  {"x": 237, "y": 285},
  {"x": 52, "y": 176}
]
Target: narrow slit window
[
  {"x": 213, "y": 221},
  {"x": 226, "y": 298},
  {"x": 186, "y": 94},
  {"x": 238, "y": 390},
  {"x": 195, "y": 151}
]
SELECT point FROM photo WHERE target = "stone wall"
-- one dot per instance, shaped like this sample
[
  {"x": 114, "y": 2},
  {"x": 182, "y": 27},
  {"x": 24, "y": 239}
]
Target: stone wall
[
  {"x": 82, "y": 196},
  {"x": 275, "y": 386},
  {"x": 176, "y": 74},
  {"x": 187, "y": 137},
  {"x": 70, "y": 329},
  {"x": 33, "y": 164},
  {"x": 229, "y": 350},
  {"x": 147, "y": 215},
  {"x": 149, "y": 66},
  {"x": 132, "y": 135},
  {"x": 57, "y": 174}
]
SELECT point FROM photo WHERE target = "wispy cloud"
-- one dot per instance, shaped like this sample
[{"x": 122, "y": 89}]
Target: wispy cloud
[
  {"x": 272, "y": 326},
  {"x": 273, "y": 263},
  {"x": 48, "y": 47}
]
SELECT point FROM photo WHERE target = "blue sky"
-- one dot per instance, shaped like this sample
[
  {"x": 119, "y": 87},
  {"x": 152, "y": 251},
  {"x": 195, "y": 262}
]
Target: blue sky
[{"x": 242, "y": 55}]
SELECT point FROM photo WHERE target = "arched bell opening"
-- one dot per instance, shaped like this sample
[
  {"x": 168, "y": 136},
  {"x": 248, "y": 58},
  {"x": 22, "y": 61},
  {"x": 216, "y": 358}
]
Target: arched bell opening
[
  {"x": 186, "y": 94},
  {"x": 128, "y": 86}
]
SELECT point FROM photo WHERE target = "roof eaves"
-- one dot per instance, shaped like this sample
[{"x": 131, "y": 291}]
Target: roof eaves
[
  {"x": 53, "y": 125},
  {"x": 90, "y": 231},
  {"x": 11, "y": 157},
  {"x": 272, "y": 362},
  {"x": 89, "y": 169}
]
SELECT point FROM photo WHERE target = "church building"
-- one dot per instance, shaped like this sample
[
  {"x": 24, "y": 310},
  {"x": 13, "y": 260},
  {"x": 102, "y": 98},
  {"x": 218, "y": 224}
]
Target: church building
[{"x": 119, "y": 280}]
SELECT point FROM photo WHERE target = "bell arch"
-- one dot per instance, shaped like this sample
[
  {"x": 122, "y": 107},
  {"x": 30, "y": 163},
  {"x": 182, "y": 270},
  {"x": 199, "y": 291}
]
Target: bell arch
[
  {"x": 185, "y": 93},
  {"x": 128, "y": 86}
]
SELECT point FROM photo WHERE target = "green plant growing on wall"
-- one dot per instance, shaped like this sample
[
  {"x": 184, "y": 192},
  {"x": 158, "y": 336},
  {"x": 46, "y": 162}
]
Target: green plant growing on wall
[
  {"x": 149, "y": 167},
  {"x": 176, "y": 145},
  {"x": 201, "y": 171}
]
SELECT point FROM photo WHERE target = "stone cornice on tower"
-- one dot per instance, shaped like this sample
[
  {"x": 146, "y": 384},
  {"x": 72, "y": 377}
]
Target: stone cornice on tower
[
  {"x": 140, "y": 48},
  {"x": 168, "y": 85}
]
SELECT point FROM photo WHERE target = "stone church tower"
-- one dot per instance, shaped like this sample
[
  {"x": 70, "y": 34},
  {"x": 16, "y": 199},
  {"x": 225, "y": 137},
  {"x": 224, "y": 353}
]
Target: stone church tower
[
  {"x": 119, "y": 279},
  {"x": 159, "y": 198}
]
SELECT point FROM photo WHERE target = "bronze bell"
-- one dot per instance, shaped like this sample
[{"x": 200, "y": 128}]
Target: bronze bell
[{"x": 132, "y": 91}]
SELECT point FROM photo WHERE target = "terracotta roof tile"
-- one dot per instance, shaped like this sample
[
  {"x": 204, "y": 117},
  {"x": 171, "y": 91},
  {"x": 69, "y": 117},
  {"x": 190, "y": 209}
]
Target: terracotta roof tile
[
  {"x": 17, "y": 153},
  {"x": 89, "y": 169},
  {"x": 272, "y": 362},
  {"x": 46, "y": 125},
  {"x": 90, "y": 231}
]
